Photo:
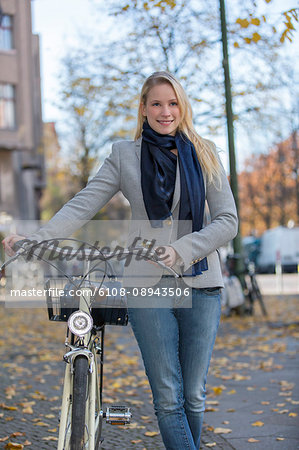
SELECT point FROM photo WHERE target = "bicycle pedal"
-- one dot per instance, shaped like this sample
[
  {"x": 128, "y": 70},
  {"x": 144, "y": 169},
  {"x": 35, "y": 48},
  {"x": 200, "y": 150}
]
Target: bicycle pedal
[{"x": 118, "y": 415}]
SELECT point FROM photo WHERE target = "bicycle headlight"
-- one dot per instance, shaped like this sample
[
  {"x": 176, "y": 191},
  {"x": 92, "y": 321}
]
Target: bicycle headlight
[{"x": 80, "y": 323}]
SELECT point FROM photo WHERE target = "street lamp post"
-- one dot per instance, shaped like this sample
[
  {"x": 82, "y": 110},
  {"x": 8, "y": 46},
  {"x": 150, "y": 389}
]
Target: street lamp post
[{"x": 237, "y": 243}]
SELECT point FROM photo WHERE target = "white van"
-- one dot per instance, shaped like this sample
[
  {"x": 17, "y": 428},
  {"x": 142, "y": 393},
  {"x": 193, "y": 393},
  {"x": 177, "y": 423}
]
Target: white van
[{"x": 279, "y": 245}]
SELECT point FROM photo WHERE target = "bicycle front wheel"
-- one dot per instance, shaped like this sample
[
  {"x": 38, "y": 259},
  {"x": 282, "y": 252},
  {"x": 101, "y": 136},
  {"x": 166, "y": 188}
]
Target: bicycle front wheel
[{"x": 79, "y": 402}]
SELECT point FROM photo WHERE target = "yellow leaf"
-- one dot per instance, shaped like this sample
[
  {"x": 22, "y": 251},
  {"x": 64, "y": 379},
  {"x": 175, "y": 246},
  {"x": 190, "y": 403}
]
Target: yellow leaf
[
  {"x": 236, "y": 45},
  {"x": 217, "y": 390},
  {"x": 256, "y": 37},
  {"x": 292, "y": 414},
  {"x": 251, "y": 440},
  {"x": 136, "y": 441},
  {"x": 255, "y": 21},
  {"x": 231, "y": 410},
  {"x": 220, "y": 430},
  {"x": 17, "y": 434},
  {"x": 13, "y": 445},
  {"x": 4, "y": 439},
  {"x": 258, "y": 424},
  {"x": 257, "y": 412},
  {"x": 210, "y": 444},
  {"x": 243, "y": 23},
  {"x": 231, "y": 392},
  {"x": 151, "y": 433},
  {"x": 247, "y": 40},
  {"x": 280, "y": 439},
  {"x": 41, "y": 424}
]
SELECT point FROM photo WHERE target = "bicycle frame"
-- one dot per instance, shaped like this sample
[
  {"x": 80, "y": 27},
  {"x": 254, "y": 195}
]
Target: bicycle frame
[{"x": 93, "y": 413}]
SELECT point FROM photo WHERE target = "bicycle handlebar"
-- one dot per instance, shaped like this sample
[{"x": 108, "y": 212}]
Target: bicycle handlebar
[{"x": 26, "y": 247}]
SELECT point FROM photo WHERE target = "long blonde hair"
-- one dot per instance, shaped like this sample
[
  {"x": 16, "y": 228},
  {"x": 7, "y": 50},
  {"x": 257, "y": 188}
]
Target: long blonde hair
[{"x": 205, "y": 149}]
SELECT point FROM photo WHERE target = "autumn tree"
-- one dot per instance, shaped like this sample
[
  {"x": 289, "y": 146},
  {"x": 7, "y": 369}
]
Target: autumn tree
[{"x": 269, "y": 188}]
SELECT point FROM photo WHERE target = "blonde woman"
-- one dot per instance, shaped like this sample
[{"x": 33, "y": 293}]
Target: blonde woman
[{"x": 177, "y": 187}]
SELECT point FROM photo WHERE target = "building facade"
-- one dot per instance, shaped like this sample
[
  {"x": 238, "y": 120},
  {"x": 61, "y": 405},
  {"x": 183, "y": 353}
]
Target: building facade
[{"x": 21, "y": 153}]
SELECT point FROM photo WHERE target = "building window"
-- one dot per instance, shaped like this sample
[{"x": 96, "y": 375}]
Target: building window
[
  {"x": 6, "y": 41},
  {"x": 7, "y": 106}
]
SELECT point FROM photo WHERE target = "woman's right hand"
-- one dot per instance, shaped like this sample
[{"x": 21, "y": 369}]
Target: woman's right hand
[{"x": 9, "y": 242}]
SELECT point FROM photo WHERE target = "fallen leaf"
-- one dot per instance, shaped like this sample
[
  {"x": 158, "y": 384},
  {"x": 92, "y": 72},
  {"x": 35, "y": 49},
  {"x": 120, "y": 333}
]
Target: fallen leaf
[
  {"x": 251, "y": 440},
  {"x": 13, "y": 445},
  {"x": 265, "y": 403},
  {"x": 8, "y": 408},
  {"x": 217, "y": 390},
  {"x": 212, "y": 402},
  {"x": 10, "y": 391},
  {"x": 211, "y": 444},
  {"x": 258, "y": 423},
  {"x": 151, "y": 433},
  {"x": 17, "y": 434},
  {"x": 4, "y": 439},
  {"x": 280, "y": 439},
  {"x": 27, "y": 410},
  {"x": 292, "y": 414},
  {"x": 230, "y": 410},
  {"x": 220, "y": 430},
  {"x": 41, "y": 424},
  {"x": 231, "y": 392},
  {"x": 257, "y": 412},
  {"x": 50, "y": 438},
  {"x": 136, "y": 441}
]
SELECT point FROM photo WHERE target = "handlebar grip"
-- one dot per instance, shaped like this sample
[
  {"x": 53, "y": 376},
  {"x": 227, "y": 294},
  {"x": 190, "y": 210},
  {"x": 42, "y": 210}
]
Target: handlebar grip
[{"x": 19, "y": 244}]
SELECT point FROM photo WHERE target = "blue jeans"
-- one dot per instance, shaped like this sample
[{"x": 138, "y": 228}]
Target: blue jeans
[{"x": 176, "y": 346}]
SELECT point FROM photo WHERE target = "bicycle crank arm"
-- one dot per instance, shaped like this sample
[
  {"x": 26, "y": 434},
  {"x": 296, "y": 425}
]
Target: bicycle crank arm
[{"x": 118, "y": 415}]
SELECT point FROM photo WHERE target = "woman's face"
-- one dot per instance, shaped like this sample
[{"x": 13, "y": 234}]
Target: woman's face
[{"x": 162, "y": 110}]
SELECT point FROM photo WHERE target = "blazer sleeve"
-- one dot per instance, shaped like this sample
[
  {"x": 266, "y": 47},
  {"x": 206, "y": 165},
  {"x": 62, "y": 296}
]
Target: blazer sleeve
[
  {"x": 86, "y": 203},
  {"x": 222, "y": 228}
]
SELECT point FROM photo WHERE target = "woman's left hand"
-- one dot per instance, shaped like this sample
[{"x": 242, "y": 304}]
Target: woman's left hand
[{"x": 169, "y": 256}]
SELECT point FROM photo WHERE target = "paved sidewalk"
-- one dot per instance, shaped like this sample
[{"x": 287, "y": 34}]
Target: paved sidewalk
[
  {"x": 252, "y": 390},
  {"x": 253, "y": 384}
]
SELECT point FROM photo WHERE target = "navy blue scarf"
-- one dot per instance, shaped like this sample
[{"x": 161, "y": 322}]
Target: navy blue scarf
[{"x": 158, "y": 174}]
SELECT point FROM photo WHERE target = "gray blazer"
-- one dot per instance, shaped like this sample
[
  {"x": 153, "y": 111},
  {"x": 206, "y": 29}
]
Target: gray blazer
[{"x": 121, "y": 172}]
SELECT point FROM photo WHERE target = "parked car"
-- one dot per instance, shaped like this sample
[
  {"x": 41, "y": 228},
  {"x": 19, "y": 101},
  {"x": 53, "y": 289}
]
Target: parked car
[{"x": 279, "y": 245}]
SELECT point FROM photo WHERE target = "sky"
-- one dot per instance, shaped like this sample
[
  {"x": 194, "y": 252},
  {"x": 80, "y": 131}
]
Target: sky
[{"x": 58, "y": 23}]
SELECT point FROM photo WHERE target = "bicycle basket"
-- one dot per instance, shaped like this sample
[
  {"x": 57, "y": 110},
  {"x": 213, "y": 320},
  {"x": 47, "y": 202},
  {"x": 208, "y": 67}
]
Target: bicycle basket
[{"x": 63, "y": 300}]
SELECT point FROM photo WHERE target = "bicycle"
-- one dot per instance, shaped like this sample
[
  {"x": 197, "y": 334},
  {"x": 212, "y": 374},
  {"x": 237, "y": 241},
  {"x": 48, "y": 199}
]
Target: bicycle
[
  {"x": 87, "y": 310},
  {"x": 249, "y": 284}
]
